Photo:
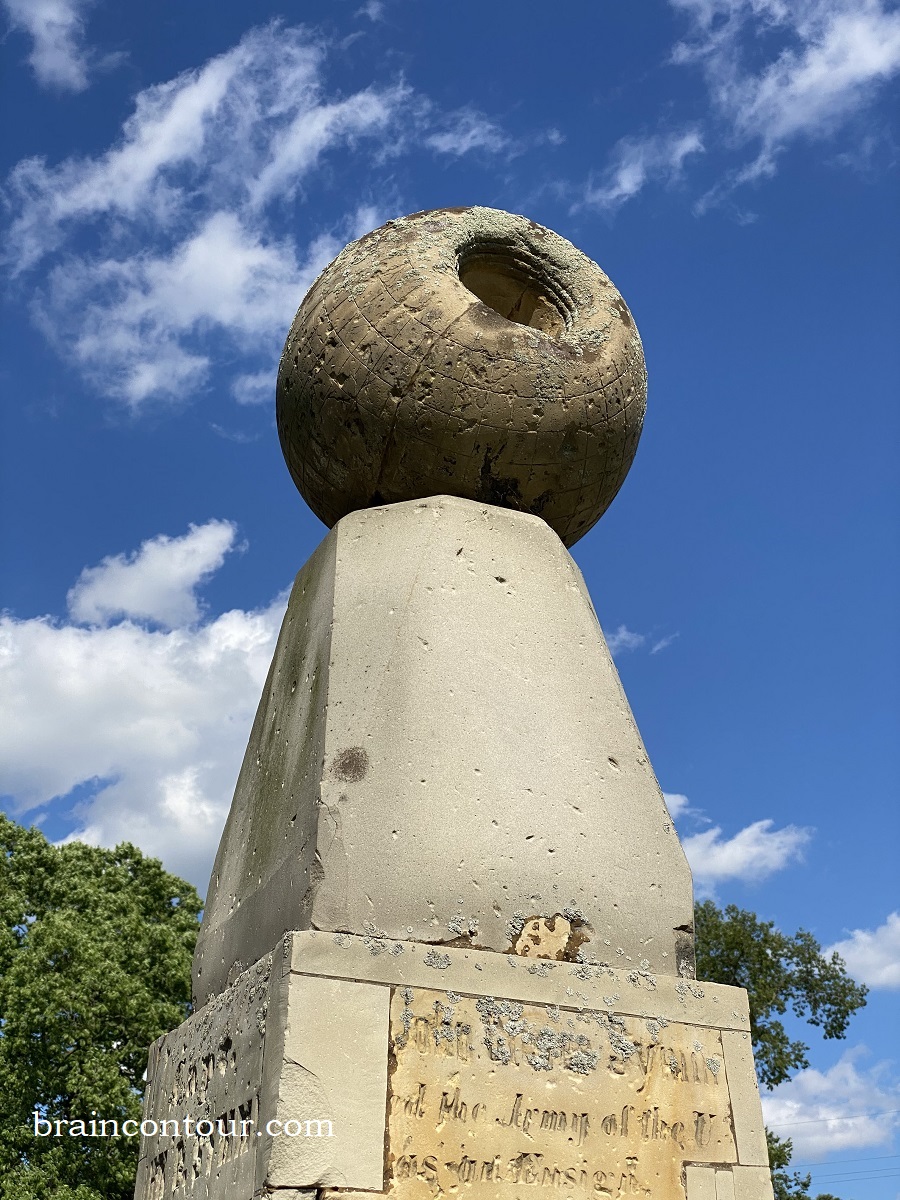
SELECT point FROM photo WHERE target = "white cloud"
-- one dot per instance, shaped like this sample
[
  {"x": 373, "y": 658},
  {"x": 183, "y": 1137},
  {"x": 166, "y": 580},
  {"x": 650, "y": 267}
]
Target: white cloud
[
  {"x": 183, "y": 135},
  {"x": 163, "y": 249},
  {"x": 873, "y": 955},
  {"x": 155, "y": 721},
  {"x": 677, "y": 804},
  {"x": 663, "y": 643},
  {"x": 775, "y": 71},
  {"x": 142, "y": 319},
  {"x": 752, "y": 854},
  {"x": 56, "y": 27},
  {"x": 256, "y": 387},
  {"x": 635, "y": 162},
  {"x": 623, "y": 639},
  {"x": 818, "y": 1110},
  {"x": 312, "y": 131},
  {"x": 819, "y": 62},
  {"x": 157, "y": 583},
  {"x": 465, "y": 131}
]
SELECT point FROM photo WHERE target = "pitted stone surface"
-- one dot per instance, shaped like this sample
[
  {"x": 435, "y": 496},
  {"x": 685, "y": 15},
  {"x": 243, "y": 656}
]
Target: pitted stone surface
[
  {"x": 411, "y": 1083},
  {"x": 499, "y": 1098},
  {"x": 466, "y": 352},
  {"x": 209, "y": 1070},
  {"x": 443, "y": 753}
]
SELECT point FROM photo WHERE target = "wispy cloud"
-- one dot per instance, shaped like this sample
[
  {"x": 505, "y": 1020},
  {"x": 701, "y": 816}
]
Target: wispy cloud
[
  {"x": 636, "y": 162},
  {"x": 373, "y": 9},
  {"x": 257, "y": 387},
  {"x": 157, "y": 250},
  {"x": 623, "y": 639},
  {"x": 58, "y": 55},
  {"x": 677, "y": 804},
  {"x": 663, "y": 643},
  {"x": 312, "y": 131},
  {"x": 873, "y": 955},
  {"x": 844, "y": 1108},
  {"x": 147, "y": 708},
  {"x": 465, "y": 131},
  {"x": 233, "y": 134},
  {"x": 142, "y": 320},
  {"x": 779, "y": 71},
  {"x": 775, "y": 72}
]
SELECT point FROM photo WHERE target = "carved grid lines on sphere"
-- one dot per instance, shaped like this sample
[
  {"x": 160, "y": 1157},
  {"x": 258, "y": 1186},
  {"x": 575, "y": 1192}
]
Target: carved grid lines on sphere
[{"x": 398, "y": 382}]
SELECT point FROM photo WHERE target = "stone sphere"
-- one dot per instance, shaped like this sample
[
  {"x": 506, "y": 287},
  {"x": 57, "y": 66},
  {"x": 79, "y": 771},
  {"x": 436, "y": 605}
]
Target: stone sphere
[{"x": 464, "y": 352}]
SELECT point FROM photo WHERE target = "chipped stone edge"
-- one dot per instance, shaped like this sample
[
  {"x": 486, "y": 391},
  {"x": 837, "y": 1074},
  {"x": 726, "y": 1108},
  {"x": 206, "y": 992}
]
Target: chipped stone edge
[
  {"x": 746, "y": 1107},
  {"x": 712, "y": 1181},
  {"x": 482, "y": 972}
]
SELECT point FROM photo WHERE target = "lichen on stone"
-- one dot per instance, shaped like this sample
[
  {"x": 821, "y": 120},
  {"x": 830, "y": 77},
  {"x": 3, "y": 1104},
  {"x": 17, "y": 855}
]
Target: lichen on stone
[{"x": 435, "y": 959}]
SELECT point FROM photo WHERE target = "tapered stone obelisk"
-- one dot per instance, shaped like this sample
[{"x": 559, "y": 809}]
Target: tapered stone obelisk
[{"x": 448, "y": 945}]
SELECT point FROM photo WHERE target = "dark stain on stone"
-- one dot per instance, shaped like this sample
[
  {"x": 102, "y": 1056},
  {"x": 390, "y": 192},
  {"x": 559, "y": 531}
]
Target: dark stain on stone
[
  {"x": 463, "y": 941},
  {"x": 561, "y": 351},
  {"x": 391, "y": 1070},
  {"x": 580, "y": 935},
  {"x": 538, "y": 505},
  {"x": 350, "y": 765},
  {"x": 502, "y": 490},
  {"x": 685, "y": 962},
  {"x": 486, "y": 315}
]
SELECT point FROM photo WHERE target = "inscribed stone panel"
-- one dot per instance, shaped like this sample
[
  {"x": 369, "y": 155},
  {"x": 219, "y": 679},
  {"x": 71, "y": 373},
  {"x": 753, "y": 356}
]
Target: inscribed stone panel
[{"x": 496, "y": 1098}]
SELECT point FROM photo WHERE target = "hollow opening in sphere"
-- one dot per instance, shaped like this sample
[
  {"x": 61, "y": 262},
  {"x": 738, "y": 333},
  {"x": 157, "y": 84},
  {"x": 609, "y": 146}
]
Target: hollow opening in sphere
[{"x": 514, "y": 286}]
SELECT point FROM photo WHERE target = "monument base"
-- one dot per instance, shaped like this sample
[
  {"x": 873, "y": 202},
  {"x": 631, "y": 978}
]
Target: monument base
[{"x": 347, "y": 1064}]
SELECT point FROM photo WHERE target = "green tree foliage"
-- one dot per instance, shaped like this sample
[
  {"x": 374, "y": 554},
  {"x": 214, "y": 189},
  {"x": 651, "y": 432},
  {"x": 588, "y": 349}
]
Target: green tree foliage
[
  {"x": 787, "y": 1185},
  {"x": 778, "y": 971},
  {"x": 736, "y": 948},
  {"x": 95, "y": 954}
]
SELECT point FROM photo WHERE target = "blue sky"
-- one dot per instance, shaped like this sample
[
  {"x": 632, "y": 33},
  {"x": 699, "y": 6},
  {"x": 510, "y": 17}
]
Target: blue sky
[{"x": 175, "y": 175}]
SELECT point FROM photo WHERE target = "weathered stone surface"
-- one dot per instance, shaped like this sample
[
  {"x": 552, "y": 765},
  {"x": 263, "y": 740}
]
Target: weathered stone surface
[
  {"x": 610, "y": 1084},
  {"x": 466, "y": 352},
  {"x": 209, "y": 1069},
  {"x": 748, "y": 1113},
  {"x": 443, "y": 753},
  {"x": 499, "y": 1095},
  {"x": 729, "y": 1183},
  {"x": 335, "y": 1067},
  {"x": 446, "y": 822}
]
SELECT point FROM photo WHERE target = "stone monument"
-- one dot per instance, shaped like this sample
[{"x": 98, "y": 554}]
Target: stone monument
[{"x": 447, "y": 949}]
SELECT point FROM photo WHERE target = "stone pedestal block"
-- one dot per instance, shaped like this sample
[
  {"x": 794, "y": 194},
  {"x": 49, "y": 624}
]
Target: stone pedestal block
[
  {"x": 353, "y": 1065},
  {"x": 443, "y": 752}
]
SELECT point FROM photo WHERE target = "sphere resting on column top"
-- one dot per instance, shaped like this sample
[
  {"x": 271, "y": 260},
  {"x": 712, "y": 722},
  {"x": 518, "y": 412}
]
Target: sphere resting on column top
[{"x": 464, "y": 352}]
